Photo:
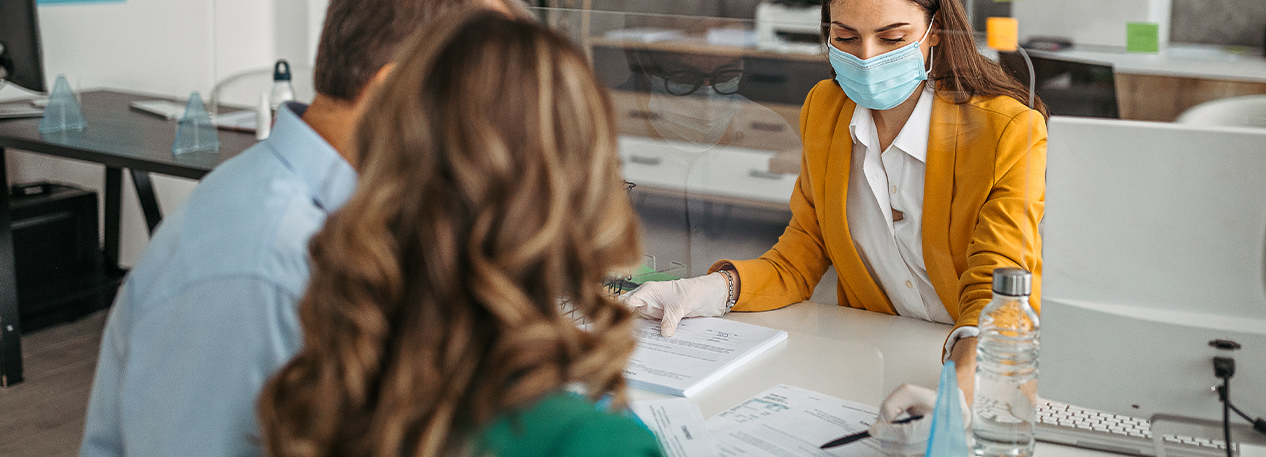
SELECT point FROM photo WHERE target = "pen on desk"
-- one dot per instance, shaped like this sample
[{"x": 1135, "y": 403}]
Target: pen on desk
[{"x": 863, "y": 434}]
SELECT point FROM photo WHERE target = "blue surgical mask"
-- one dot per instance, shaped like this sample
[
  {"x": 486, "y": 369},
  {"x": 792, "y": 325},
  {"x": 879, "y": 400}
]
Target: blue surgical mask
[{"x": 883, "y": 81}]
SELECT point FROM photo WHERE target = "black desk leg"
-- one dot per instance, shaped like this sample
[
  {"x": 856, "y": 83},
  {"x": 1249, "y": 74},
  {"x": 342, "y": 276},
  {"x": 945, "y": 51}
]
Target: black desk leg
[
  {"x": 10, "y": 327},
  {"x": 113, "y": 189},
  {"x": 149, "y": 203}
]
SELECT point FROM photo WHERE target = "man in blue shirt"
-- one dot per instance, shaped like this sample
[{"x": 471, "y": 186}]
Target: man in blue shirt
[{"x": 209, "y": 311}]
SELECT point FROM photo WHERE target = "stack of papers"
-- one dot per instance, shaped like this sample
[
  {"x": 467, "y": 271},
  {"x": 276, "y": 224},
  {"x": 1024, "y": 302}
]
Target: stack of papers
[
  {"x": 677, "y": 425},
  {"x": 702, "y": 351},
  {"x": 646, "y": 34},
  {"x": 791, "y": 421},
  {"x": 784, "y": 421}
]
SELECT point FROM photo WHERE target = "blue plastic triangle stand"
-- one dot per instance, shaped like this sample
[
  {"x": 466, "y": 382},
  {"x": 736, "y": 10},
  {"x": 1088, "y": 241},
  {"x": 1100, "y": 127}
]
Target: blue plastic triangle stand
[
  {"x": 62, "y": 113},
  {"x": 196, "y": 132},
  {"x": 949, "y": 434}
]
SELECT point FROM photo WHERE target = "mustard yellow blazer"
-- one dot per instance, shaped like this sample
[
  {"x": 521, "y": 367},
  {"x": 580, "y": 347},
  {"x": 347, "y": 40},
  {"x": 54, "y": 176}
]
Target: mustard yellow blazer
[{"x": 984, "y": 196}]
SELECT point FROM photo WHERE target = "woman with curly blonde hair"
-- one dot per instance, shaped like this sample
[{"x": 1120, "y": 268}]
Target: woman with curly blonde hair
[{"x": 489, "y": 193}]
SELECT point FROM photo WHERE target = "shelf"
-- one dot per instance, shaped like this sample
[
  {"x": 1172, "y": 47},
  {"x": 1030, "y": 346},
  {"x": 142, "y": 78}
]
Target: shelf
[{"x": 58, "y": 298}]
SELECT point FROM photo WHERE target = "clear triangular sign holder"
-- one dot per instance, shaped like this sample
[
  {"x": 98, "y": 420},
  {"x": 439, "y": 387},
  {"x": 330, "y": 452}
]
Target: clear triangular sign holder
[
  {"x": 62, "y": 113},
  {"x": 196, "y": 132}
]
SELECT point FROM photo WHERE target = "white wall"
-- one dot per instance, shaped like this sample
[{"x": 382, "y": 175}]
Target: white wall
[
  {"x": 167, "y": 47},
  {"x": 1089, "y": 22}
]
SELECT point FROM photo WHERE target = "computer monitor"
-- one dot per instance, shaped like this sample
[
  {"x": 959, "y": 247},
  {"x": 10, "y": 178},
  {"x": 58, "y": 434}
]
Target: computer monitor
[
  {"x": 1155, "y": 245},
  {"x": 21, "y": 60},
  {"x": 1068, "y": 87}
]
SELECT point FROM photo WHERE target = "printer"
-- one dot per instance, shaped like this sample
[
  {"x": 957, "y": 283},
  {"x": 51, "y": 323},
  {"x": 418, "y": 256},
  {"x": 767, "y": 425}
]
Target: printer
[{"x": 789, "y": 26}]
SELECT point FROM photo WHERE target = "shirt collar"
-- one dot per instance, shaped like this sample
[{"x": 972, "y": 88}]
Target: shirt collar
[
  {"x": 326, "y": 173},
  {"x": 913, "y": 138}
]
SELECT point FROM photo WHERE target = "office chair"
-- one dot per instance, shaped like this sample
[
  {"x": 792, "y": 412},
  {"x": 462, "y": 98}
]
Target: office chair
[{"x": 1245, "y": 111}]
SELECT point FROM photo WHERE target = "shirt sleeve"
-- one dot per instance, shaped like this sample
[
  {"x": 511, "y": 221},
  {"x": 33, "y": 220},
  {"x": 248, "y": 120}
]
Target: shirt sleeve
[
  {"x": 954, "y": 336},
  {"x": 101, "y": 436},
  {"x": 1006, "y": 232},
  {"x": 183, "y": 379}
]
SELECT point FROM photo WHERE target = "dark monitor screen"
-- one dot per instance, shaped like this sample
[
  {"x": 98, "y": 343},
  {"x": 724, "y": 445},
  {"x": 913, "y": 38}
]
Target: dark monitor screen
[
  {"x": 21, "y": 57},
  {"x": 1069, "y": 88}
]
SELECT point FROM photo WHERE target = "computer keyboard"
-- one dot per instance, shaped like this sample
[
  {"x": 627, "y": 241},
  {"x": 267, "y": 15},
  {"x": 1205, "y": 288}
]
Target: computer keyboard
[{"x": 1074, "y": 426}]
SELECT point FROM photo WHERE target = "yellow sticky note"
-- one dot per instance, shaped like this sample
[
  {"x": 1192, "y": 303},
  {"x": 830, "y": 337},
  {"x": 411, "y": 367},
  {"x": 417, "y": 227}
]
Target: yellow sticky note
[{"x": 1003, "y": 33}]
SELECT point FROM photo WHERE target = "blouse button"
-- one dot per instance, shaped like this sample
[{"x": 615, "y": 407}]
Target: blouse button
[
  {"x": 894, "y": 189},
  {"x": 909, "y": 285}
]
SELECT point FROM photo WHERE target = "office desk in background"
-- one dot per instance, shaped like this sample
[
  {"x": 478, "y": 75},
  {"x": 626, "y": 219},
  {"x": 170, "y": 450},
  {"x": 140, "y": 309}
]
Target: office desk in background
[
  {"x": 832, "y": 349},
  {"x": 1159, "y": 87},
  {"x": 116, "y": 137}
]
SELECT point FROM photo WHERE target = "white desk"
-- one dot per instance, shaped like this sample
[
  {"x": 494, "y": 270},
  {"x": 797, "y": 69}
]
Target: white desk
[
  {"x": 841, "y": 351},
  {"x": 1186, "y": 61},
  {"x": 847, "y": 370}
]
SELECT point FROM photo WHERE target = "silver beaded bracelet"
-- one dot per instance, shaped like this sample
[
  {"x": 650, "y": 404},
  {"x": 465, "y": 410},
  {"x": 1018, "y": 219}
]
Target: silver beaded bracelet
[{"x": 732, "y": 297}]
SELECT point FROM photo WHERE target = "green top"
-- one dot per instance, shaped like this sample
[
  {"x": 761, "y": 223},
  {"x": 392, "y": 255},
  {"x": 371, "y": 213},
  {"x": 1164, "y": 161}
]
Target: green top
[{"x": 564, "y": 425}]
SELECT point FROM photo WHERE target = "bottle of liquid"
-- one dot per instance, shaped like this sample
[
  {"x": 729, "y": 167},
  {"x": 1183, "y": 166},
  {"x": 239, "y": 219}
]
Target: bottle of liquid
[
  {"x": 1006, "y": 369},
  {"x": 282, "y": 90},
  {"x": 263, "y": 118}
]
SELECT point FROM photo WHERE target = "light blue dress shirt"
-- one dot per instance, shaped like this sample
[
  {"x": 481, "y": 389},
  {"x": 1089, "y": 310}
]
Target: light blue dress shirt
[{"x": 209, "y": 311}]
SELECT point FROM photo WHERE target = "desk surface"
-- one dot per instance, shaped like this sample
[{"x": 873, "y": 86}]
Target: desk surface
[
  {"x": 830, "y": 348},
  {"x": 1186, "y": 61},
  {"x": 118, "y": 136}
]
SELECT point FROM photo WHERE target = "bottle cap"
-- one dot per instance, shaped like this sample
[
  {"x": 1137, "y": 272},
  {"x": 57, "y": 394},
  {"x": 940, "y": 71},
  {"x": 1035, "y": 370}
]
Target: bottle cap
[
  {"x": 1015, "y": 282},
  {"x": 281, "y": 70}
]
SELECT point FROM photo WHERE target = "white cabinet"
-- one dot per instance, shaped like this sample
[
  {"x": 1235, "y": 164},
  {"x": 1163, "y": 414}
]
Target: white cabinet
[{"x": 722, "y": 173}]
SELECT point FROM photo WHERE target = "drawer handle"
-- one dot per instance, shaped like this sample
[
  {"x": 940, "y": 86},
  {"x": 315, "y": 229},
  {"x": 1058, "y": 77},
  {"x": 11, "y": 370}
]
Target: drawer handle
[
  {"x": 767, "y": 126},
  {"x": 644, "y": 160},
  {"x": 764, "y": 175},
  {"x": 643, "y": 114},
  {"x": 768, "y": 78}
]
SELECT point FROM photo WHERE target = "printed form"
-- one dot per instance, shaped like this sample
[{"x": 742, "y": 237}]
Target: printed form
[
  {"x": 789, "y": 421},
  {"x": 677, "y": 425},
  {"x": 702, "y": 351}
]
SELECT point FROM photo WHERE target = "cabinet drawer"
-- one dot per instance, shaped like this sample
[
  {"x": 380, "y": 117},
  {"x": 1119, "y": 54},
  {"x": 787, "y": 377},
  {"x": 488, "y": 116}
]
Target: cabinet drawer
[{"x": 727, "y": 172}]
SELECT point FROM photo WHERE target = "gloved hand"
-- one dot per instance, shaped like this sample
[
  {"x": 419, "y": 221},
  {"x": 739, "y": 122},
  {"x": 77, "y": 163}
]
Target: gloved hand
[
  {"x": 910, "y": 400},
  {"x": 670, "y": 301}
]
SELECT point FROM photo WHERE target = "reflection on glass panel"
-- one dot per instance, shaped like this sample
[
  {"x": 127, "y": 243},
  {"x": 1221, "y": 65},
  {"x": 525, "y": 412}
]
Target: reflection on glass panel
[
  {"x": 707, "y": 122},
  {"x": 709, "y": 111}
]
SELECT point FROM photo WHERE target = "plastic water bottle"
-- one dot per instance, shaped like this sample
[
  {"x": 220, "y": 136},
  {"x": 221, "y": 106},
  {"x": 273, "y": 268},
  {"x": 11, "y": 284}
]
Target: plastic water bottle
[{"x": 1006, "y": 369}]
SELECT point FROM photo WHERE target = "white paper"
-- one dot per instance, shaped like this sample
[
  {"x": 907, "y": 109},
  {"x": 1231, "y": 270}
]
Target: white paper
[
  {"x": 789, "y": 421},
  {"x": 646, "y": 34},
  {"x": 702, "y": 351},
  {"x": 678, "y": 425}
]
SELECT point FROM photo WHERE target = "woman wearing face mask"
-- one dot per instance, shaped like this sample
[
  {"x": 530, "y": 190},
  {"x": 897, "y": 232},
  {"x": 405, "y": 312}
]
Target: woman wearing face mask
[{"x": 923, "y": 171}]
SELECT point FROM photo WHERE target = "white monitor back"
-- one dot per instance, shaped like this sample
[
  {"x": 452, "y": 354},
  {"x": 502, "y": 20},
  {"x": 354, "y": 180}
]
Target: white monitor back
[{"x": 1155, "y": 244}]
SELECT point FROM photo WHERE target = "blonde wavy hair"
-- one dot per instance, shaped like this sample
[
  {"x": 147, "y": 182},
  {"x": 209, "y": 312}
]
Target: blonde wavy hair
[{"x": 489, "y": 193}]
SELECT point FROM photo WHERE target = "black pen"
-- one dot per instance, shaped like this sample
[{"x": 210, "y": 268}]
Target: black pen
[{"x": 863, "y": 434}]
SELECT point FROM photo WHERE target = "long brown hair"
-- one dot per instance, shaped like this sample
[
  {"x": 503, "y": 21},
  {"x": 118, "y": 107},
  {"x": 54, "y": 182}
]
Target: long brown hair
[
  {"x": 958, "y": 69},
  {"x": 489, "y": 193}
]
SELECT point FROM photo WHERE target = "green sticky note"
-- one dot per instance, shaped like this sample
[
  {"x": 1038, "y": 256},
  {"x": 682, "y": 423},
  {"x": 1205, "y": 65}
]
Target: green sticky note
[
  {"x": 650, "y": 277},
  {"x": 1142, "y": 37},
  {"x": 644, "y": 274}
]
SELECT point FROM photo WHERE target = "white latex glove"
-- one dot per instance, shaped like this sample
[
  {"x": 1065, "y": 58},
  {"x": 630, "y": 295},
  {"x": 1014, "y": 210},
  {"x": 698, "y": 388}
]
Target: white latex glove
[
  {"x": 670, "y": 301},
  {"x": 910, "y": 400}
]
